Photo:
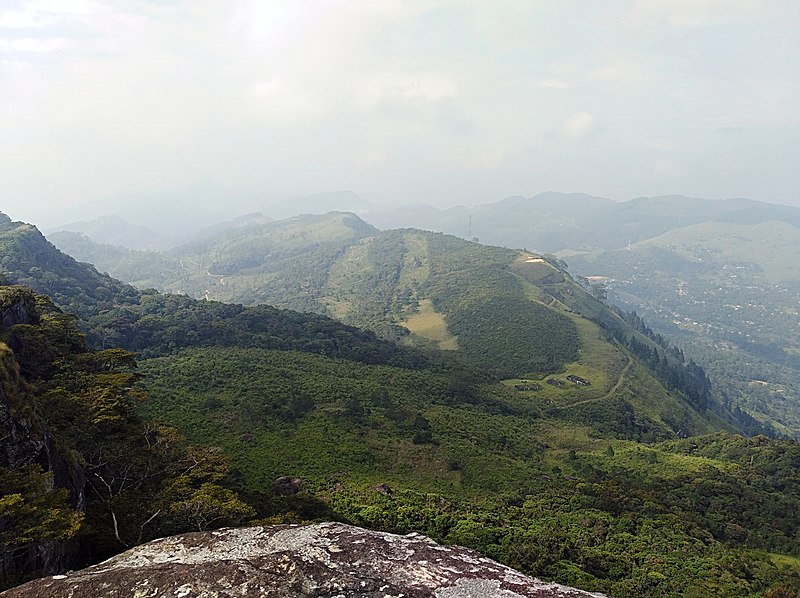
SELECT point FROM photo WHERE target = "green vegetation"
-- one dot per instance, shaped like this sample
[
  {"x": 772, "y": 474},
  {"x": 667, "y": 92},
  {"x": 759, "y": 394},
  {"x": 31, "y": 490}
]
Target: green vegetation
[
  {"x": 590, "y": 485},
  {"x": 552, "y": 492},
  {"x": 113, "y": 479},
  {"x": 727, "y": 293}
]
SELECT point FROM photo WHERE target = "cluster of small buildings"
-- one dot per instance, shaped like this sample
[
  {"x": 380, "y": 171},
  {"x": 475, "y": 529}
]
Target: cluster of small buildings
[
  {"x": 525, "y": 385},
  {"x": 578, "y": 380}
]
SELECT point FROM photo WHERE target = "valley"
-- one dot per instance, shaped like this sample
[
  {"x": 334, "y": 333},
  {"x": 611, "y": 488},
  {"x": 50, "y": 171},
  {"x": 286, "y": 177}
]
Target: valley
[
  {"x": 291, "y": 303},
  {"x": 718, "y": 278},
  {"x": 495, "y": 402}
]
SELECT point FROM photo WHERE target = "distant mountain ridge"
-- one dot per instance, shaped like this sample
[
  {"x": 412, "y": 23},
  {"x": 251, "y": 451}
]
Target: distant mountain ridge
[
  {"x": 553, "y": 222},
  {"x": 500, "y": 308},
  {"x": 578, "y": 473},
  {"x": 117, "y": 231}
]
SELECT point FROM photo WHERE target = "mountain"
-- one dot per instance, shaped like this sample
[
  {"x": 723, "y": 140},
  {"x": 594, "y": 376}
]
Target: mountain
[
  {"x": 172, "y": 215},
  {"x": 154, "y": 324},
  {"x": 318, "y": 203},
  {"x": 718, "y": 277},
  {"x": 515, "y": 313},
  {"x": 454, "y": 221},
  {"x": 586, "y": 484},
  {"x": 553, "y": 222},
  {"x": 116, "y": 230}
]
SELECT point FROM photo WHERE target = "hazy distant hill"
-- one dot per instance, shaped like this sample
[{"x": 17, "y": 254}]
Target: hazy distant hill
[
  {"x": 553, "y": 222},
  {"x": 171, "y": 215},
  {"x": 729, "y": 292},
  {"x": 143, "y": 269},
  {"x": 547, "y": 473},
  {"x": 318, "y": 203},
  {"x": 117, "y": 231}
]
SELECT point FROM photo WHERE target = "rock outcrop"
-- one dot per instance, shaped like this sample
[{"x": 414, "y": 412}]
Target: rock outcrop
[
  {"x": 17, "y": 306},
  {"x": 328, "y": 559},
  {"x": 25, "y": 440}
]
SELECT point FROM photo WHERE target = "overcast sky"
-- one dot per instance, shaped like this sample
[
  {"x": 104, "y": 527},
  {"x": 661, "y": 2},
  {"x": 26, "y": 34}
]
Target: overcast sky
[{"x": 401, "y": 101}]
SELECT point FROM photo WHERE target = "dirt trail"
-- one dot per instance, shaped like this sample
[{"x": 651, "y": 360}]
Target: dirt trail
[{"x": 615, "y": 388}]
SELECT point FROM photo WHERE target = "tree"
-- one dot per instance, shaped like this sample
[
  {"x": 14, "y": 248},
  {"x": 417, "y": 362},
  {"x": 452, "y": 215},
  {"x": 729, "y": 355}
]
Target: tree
[
  {"x": 210, "y": 505},
  {"x": 31, "y": 514}
]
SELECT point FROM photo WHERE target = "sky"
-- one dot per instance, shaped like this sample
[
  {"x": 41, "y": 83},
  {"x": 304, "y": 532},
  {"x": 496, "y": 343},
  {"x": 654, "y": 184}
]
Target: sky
[{"x": 401, "y": 101}]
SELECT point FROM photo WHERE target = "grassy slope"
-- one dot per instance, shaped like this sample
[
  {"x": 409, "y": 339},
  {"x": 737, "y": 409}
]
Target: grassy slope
[
  {"x": 549, "y": 490},
  {"x": 728, "y": 292},
  {"x": 485, "y": 467},
  {"x": 773, "y": 246}
]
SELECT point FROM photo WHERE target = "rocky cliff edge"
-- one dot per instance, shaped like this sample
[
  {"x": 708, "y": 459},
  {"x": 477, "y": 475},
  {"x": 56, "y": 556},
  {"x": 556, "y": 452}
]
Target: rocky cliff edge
[{"x": 328, "y": 559}]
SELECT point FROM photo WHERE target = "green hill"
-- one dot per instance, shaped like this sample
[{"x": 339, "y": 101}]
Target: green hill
[
  {"x": 513, "y": 313},
  {"x": 719, "y": 278},
  {"x": 588, "y": 484},
  {"x": 553, "y": 222},
  {"x": 339, "y": 266},
  {"x": 728, "y": 293}
]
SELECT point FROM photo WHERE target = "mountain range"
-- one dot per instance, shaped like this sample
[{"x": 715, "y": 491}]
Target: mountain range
[{"x": 496, "y": 402}]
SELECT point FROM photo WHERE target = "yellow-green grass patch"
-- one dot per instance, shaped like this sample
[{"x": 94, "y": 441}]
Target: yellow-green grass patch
[{"x": 427, "y": 323}]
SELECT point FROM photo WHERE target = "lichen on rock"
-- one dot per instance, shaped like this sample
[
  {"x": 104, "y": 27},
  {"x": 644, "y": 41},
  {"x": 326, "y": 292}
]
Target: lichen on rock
[{"x": 327, "y": 559}]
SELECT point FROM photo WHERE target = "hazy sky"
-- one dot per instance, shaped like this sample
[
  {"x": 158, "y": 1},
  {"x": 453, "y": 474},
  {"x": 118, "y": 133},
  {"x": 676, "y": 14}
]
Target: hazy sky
[{"x": 402, "y": 101}]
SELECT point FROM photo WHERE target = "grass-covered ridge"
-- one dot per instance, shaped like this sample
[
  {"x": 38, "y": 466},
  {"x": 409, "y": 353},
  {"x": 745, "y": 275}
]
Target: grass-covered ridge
[
  {"x": 588, "y": 485},
  {"x": 450, "y": 292},
  {"x": 534, "y": 485}
]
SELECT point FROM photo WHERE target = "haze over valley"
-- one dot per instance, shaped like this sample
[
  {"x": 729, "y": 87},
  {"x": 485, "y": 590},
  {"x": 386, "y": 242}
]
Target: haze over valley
[{"x": 357, "y": 279}]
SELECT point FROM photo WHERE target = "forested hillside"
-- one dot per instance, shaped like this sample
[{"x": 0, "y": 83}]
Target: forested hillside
[
  {"x": 728, "y": 293},
  {"x": 514, "y": 312},
  {"x": 719, "y": 278},
  {"x": 494, "y": 307},
  {"x": 573, "y": 469},
  {"x": 84, "y": 475}
]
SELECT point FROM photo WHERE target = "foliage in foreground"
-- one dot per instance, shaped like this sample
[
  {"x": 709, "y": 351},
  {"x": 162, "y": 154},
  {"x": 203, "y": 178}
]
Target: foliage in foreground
[
  {"x": 482, "y": 467},
  {"x": 115, "y": 480}
]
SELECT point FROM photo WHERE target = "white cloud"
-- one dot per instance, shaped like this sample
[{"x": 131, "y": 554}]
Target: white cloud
[
  {"x": 554, "y": 84},
  {"x": 406, "y": 98},
  {"x": 32, "y": 45},
  {"x": 579, "y": 125},
  {"x": 624, "y": 71},
  {"x": 277, "y": 103},
  {"x": 694, "y": 13}
]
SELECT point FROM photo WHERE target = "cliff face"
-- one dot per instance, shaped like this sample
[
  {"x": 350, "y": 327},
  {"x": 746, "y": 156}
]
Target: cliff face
[
  {"x": 24, "y": 439},
  {"x": 328, "y": 559}
]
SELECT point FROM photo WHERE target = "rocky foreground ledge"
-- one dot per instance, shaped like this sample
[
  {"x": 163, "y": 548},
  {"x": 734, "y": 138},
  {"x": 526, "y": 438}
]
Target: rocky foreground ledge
[{"x": 328, "y": 559}]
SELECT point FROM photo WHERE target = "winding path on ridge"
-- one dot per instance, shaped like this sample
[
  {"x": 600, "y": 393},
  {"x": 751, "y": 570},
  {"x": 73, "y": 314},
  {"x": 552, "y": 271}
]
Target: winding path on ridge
[{"x": 614, "y": 389}]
